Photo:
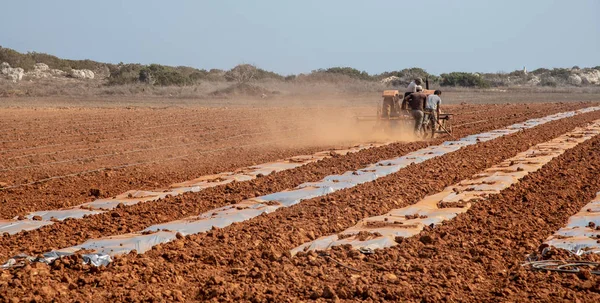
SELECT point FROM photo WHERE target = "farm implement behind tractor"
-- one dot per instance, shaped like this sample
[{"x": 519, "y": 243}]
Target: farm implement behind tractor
[{"x": 391, "y": 119}]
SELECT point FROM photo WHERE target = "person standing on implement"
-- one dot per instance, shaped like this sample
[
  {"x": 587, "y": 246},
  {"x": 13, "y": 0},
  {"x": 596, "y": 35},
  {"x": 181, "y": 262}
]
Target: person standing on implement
[
  {"x": 413, "y": 86},
  {"x": 416, "y": 102}
]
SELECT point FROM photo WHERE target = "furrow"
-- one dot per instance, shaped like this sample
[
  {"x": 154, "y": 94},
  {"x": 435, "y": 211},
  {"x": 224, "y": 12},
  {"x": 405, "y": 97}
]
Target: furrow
[{"x": 581, "y": 235}]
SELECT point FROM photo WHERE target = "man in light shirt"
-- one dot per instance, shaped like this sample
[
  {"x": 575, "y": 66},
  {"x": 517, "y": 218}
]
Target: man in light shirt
[{"x": 432, "y": 107}]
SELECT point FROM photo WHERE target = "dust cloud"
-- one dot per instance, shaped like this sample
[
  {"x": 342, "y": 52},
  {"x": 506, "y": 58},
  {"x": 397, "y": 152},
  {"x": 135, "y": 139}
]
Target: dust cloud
[{"x": 335, "y": 126}]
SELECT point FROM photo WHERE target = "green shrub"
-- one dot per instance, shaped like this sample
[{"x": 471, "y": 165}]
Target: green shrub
[
  {"x": 347, "y": 71},
  {"x": 517, "y": 73},
  {"x": 548, "y": 81},
  {"x": 163, "y": 75},
  {"x": 560, "y": 73},
  {"x": 125, "y": 74},
  {"x": 155, "y": 74},
  {"x": 197, "y": 76},
  {"x": 244, "y": 73},
  {"x": 16, "y": 59},
  {"x": 463, "y": 79},
  {"x": 265, "y": 74},
  {"x": 540, "y": 71},
  {"x": 498, "y": 79},
  {"x": 215, "y": 75}
]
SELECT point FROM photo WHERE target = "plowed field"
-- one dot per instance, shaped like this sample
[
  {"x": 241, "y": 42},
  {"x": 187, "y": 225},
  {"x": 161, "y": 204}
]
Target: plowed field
[{"x": 55, "y": 158}]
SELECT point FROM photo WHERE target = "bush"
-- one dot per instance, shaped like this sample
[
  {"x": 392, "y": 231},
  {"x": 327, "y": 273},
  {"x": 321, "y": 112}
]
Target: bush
[
  {"x": 265, "y": 74},
  {"x": 245, "y": 73},
  {"x": 463, "y": 79},
  {"x": 548, "y": 81},
  {"x": 499, "y": 79},
  {"x": 560, "y": 73},
  {"x": 347, "y": 71},
  {"x": 242, "y": 73},
  {"x": 215, "y": 75},
  {"x": 16, "y": 59},
  {"x": 540, "y": 71},
  {"x": 125, "y": 74},
  {"x": 163, "y": 75},
  {"x": 155, "y": 74},
  {"x": 517, "y": 73},
  {"x": 197, "y": 76}
]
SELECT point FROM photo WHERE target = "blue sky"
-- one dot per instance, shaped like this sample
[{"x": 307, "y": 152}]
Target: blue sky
[{"x": 299, "y": 36}]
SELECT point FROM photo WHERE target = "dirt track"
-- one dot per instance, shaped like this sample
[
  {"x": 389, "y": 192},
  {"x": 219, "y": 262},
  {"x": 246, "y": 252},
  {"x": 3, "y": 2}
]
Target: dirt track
[{"x": 250, "y": 260}]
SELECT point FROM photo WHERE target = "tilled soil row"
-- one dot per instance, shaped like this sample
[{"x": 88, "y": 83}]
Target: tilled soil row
[
  {"x": 34, "y": 172},
  {"x": 251, "y": 260},
  {"x": 61, "y": 129},
  {"x": 16, "y": 171},
  {"x": 140, "y": 216},
  {"x": 97, "y": 149},
  {"x": 71, "y": 191}
]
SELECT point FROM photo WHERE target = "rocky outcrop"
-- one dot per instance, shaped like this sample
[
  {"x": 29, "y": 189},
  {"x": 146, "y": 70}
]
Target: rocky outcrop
[
  {"x": 574, "y": 80},
  {"x": 14, "y": 74},
  {"x": 57, "y": 73},
  {"x": 81, "y": 74},
  {"x": 390, "y": 79},
  {"x": 535, "y": 80},
  {"x": 41, "y": 67},
  {"x": 557, "y": 77},
  {"x": 590, "y": 77},
  {"x": 41, "y": 70}
]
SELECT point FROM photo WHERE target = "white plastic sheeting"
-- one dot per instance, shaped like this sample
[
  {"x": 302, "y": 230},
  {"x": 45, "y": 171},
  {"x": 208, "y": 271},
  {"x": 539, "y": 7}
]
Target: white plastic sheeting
[
  {"x": 581, "y": 235},
  {"x": 381, "y": 231},
  {"x": 14, "y": 226},
  {"x": 250, "y": 208},
  {"x": 136, "y": 196},
  {"x": 121, "y": 244}
]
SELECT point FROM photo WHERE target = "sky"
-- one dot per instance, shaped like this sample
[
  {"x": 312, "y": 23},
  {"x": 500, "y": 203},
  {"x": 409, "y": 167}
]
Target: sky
[{"x": 291, "y": 37}]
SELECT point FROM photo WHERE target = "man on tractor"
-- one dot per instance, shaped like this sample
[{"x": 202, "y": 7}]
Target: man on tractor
[{"x": 412, "y": 87}]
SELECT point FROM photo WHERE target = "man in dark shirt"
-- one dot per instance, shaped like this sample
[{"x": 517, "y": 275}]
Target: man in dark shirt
[{"x": 416, "y": 102}]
